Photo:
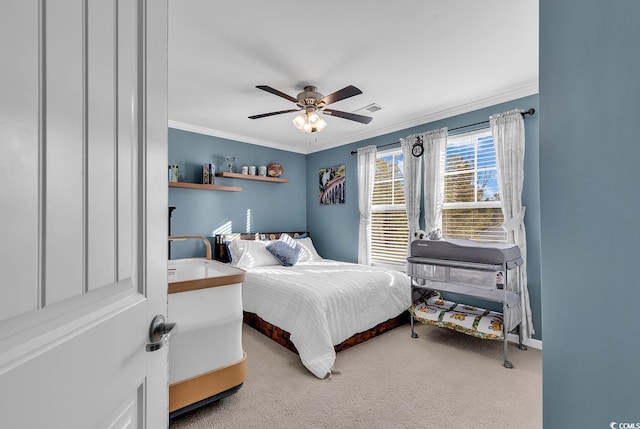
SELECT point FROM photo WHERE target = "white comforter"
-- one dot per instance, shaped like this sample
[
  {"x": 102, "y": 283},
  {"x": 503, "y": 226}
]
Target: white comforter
[{"x": 322, "y": 303}]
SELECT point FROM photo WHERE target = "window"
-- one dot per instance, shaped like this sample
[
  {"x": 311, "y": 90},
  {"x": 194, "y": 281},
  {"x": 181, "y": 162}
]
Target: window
[
  {"x": 471, "y": 206},
  {"x": 389, "y": 229}
]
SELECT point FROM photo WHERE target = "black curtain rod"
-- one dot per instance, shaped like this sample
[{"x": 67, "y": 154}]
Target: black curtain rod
[{"x": 531, "y": 111}]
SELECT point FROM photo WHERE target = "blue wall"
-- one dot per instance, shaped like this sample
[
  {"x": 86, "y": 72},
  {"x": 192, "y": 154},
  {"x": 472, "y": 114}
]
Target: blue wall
[
  {"x": 590, "y": 200},
  {"x": 261, "y": 206},
  {"x": 334, "y": 228}
]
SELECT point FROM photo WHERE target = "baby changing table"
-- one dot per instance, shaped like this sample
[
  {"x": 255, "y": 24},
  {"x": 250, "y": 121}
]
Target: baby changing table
[{"x": 472, "y": 269}]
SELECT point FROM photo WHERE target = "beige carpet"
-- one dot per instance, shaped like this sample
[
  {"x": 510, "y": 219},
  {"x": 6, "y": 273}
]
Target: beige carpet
[{"x": 444, "y": 379}]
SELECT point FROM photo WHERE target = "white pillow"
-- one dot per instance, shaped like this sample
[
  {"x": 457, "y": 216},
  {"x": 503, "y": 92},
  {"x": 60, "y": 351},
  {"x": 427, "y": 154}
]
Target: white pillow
[
  {"x": 251, "y": 253},
  {"x": 307, "y": 251},
  {"x": 236, "y": 247}
]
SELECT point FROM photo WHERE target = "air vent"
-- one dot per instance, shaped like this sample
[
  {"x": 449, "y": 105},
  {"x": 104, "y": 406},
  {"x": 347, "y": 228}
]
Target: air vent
[{"x": 371, "y": 108}]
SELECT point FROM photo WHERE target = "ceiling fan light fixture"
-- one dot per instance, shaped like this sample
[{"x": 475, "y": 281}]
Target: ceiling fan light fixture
[
  {"x": 300, "y": 120},
  {"x": 313, "y": 117},
  {"x": 309, "y": 122},
  {"x": 321, "y": 124}
]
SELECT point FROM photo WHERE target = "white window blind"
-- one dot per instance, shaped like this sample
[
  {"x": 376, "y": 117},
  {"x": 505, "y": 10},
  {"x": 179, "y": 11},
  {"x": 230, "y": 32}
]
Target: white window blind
[
  {"x": 389, "y": 229},
  {"x": 471, "y": 206}
]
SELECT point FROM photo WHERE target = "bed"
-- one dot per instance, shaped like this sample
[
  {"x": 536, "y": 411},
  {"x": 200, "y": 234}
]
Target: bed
[{"x": 316, "y": 306}]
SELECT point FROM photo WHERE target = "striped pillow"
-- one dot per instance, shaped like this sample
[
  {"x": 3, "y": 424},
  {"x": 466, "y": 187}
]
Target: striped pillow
[{"x": 286, "y": 238}]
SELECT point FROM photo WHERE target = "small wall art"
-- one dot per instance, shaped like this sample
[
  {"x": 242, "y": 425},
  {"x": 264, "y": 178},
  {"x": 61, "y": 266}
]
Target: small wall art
[{"x": 332, "y": 185}]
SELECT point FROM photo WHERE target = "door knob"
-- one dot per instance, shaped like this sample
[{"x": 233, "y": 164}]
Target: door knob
[{"x": 159, "y": 333}]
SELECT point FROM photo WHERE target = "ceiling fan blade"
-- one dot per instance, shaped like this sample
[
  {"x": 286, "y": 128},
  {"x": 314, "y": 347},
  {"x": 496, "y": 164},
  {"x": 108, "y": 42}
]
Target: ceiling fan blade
[
  {"x": 264, "y": 115},
  {"x": 346, "y": 92},
  {"x": 346, "y": 115},
  {"x": 276, "y": 92}
]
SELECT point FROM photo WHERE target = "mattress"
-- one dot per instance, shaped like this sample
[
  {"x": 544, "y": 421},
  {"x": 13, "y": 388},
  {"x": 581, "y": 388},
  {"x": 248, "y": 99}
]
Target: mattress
[
  {"x": 466, "y": 251},
  {"x": 321, "y": 303}
]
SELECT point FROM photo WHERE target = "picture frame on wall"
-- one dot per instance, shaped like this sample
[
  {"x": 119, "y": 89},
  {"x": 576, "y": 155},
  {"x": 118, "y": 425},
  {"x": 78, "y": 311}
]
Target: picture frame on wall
[{"x": 332, "y": 185}]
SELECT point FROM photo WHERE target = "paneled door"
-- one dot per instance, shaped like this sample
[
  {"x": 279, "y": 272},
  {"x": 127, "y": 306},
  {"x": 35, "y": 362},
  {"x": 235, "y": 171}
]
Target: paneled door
[{"x": 83, "y": 155}]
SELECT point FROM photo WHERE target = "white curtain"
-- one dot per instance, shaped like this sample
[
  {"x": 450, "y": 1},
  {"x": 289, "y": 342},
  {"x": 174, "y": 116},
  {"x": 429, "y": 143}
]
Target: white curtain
[
  {"x": 412, "y": 174},
  {"x": 508, "y": 137},
  {"x": 366, "y": 176},
  {"x": 435, "y": 147}
]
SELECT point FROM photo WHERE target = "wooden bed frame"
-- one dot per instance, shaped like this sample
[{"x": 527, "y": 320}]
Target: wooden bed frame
[{"x": 281, "y": 336}]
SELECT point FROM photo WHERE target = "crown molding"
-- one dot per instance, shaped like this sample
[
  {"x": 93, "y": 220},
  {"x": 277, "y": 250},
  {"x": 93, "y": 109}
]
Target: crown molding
[
  {"x": 523, "y": 91},
  {"x": 230, "y": 136}
]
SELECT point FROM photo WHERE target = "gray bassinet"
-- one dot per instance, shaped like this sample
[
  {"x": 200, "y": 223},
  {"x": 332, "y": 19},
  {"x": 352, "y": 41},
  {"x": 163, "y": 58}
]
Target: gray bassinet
[{"x": 469, "y": 268}]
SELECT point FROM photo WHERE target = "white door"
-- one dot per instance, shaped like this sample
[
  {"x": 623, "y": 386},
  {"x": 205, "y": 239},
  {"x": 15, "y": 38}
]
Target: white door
[{"x": 83, "y": 213}]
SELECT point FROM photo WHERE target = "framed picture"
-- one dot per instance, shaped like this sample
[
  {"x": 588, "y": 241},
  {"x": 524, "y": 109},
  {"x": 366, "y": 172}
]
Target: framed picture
[{"x": 332, "y": 184}]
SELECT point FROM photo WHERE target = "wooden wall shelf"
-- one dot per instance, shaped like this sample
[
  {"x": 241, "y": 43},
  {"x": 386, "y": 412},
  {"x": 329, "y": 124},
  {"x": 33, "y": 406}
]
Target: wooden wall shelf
[
  {"x": 251, "y": 177},
  {"x": 204, "y": 187}
]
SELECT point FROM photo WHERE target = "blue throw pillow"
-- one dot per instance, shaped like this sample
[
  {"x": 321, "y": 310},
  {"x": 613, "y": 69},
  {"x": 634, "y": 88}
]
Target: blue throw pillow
[{"x": 287, "y": 255}]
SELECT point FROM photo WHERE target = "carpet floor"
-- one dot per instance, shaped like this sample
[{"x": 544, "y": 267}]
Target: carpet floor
[{"x": 443, "y": 379}]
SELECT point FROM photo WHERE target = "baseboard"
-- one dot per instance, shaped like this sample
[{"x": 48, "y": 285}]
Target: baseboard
[{"x": 532, "y": 342}]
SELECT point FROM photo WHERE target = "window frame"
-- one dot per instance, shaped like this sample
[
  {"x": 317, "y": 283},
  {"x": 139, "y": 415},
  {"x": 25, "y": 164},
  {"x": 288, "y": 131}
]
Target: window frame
[
  {"x": 492, "y": 204},
  {"x": 383, "y": 208}
]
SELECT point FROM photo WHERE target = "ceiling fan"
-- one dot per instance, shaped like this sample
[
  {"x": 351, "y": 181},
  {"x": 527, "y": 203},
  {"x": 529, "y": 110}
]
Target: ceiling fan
[{"x": 312, "y": 104}]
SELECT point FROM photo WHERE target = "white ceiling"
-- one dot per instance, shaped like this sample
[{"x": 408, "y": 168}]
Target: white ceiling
[{"x": 421, "y": 60}]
